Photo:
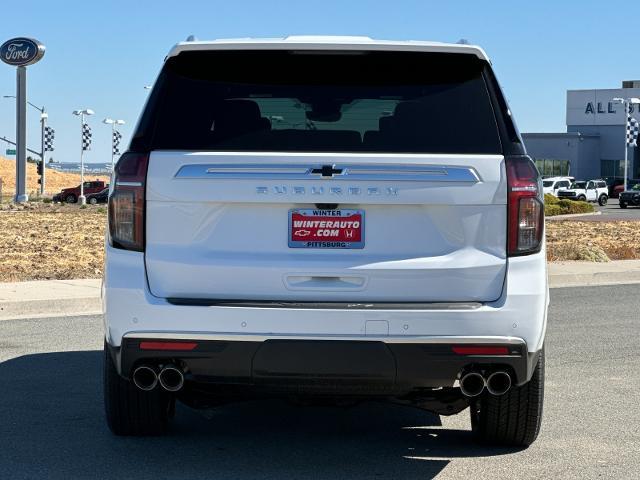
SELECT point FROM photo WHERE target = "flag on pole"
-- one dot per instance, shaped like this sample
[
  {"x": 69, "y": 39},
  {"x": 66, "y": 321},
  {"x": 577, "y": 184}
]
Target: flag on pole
[
  {"x": 633, "y": 127},
  {"x": 115, "y": 142},
  {"x": 86, "y": 137},
  {"x": 49, "y": 135}
]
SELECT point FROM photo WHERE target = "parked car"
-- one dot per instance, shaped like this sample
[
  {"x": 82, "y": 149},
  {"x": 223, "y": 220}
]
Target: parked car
[
  {"x": 100, "y": 197},
  {"x": 630, "y": 197},
  {"x": 619, "y": 188},
  {"x": 253, "y": 257},
  {"x": 553, "y": 185},
  {"x": 587, "y": 191},
  {"x": 71, "y": 195}
]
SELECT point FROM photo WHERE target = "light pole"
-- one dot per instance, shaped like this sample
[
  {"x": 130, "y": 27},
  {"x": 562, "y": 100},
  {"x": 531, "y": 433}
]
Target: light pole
[
  {"x": 113, "y": 123},
  {"x": 81, "y": 114},
  {"x": 626, "y": 102},
  {"x": 43, "y": 122}
]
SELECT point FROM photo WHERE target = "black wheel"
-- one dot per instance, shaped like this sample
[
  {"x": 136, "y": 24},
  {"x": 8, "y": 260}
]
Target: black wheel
[
  {"x": 623, "y": 205},
  {"x": 93, "y": 200},
  {"x": 70, "y": 198},
  {"x": 514, "y": 418},
  {"x": 602, "y": 201},
  {"x": 131, "y": 411},
  {"x": 582, "y": 198}
]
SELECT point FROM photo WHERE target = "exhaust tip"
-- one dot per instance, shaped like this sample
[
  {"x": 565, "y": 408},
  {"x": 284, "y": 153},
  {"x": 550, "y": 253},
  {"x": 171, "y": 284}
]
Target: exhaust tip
[
  {"x": 171, "y": 378},
  {"x": 498, "y": 383},
  {"x": 145, "y": 378},
  {"x": 472, "y": 384}
]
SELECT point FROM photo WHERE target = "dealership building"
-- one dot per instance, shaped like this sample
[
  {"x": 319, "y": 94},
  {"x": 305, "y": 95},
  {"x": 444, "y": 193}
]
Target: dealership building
[{"x": 593, "y": 145}]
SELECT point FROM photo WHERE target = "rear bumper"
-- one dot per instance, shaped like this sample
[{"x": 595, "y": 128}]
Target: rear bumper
[
  {"x": 383, "y": 366},
  {"x": 416, "y": 341}
]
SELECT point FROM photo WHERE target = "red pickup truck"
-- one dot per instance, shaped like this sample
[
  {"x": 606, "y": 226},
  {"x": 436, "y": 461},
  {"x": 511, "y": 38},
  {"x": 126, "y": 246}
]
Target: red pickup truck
[{"x": 71, "y": 195}]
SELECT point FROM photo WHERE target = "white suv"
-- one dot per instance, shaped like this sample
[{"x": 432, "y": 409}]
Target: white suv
[
  {"x": 326, "y": 217},
  {"x": 587, "y": 191}
]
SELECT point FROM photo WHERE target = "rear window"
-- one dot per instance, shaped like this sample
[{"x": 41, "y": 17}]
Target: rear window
[{"x": 321, "y": 102}]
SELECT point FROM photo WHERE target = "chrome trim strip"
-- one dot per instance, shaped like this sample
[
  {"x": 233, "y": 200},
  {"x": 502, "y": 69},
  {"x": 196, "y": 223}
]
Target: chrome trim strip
[
  {"x": 412, "y": 173},
  {"x": 291, "y": 304},
  {"x": 240, "y": 337},
  {"x": 129, "y": 184}
]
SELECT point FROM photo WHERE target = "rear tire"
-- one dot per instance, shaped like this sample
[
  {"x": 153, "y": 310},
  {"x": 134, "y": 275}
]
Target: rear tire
[
  {"x": 93, "y": 200},
  {"x": 512, "y": 419},
  {"x": 131, "y": 411},
  {"x": 623, "y": 205},
  {"x": 602, "y": 201},
  {"x": 70, "y": 199},
  {"x": 582, "y": 198}
]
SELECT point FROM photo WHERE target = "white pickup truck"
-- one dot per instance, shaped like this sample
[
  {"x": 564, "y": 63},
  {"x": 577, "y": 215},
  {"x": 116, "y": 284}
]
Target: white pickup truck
[
  {"x": 553, "y": 185},
  {"x": 587, "y": 191}
]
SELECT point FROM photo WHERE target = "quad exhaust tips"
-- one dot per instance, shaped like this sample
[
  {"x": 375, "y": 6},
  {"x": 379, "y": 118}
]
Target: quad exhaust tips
[
  {"x": 498, "y": 383},
  {"x": 171, "y": 378},
  {"x": 146, "y": 378},
  {"x": 473, "y": 384}
]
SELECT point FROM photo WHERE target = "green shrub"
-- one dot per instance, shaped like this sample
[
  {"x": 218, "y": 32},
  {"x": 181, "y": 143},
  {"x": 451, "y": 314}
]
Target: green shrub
[
  {"x": 46, "y": 200},
  {"x": 83, "y": 207},
  {"x": 565, "y": 204},
  {"x": 580, "y": 207},
  {"x": 551, "y": 210},
  {"x": 102, "y": 210},
  {"x": 550, "y": 199},
  {"x": 565, "y": 207}
]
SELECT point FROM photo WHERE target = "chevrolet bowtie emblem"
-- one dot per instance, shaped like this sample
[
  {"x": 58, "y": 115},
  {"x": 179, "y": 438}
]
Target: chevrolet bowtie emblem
[{"x": 327, "y": 171}]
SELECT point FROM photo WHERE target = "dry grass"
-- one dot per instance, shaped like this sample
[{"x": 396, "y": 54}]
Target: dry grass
[
  {"x": 51, "y": 241},
  {"x": 55, "y": 181},
  {"x": 593, "y": 241}
]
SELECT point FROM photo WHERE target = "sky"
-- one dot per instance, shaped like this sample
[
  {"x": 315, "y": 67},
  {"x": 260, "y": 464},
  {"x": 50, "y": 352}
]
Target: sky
[{"x": 100, "y": 55}]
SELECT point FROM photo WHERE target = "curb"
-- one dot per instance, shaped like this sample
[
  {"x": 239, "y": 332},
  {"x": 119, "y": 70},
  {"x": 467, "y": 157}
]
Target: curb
[
  {"x": 61, "y": 307},
  {"x": 592, "y": 279},
  {"x": 572, "y": 215},
  {"x": 585, "y": 274}
]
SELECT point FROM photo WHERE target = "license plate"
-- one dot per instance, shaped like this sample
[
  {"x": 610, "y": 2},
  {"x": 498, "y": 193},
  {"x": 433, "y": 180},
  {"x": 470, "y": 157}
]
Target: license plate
[{"x": 314, "y": 228}]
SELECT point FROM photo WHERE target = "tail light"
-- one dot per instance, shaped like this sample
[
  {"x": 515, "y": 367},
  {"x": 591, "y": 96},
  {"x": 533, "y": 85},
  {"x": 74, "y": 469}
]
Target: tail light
[
  {"x": 126, "y": 202},
  {"x": 525, "y": 208}
]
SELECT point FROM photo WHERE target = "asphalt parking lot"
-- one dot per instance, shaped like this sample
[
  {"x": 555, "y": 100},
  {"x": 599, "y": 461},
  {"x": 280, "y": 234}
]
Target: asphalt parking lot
[
  {"x": 612, "y": 212},
  {"x": 53, "y": 426}
]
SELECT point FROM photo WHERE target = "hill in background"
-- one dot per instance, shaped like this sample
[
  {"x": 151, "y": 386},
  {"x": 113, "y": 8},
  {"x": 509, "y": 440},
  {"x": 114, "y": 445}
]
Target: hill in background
[{"x": 55, "y": 181}]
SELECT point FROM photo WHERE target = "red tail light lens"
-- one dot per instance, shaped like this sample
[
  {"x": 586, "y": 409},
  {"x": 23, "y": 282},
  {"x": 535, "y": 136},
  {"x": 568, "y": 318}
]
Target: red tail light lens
[
  {"x": 525, "y": 209},
  {"x": 126, "y": 202}
]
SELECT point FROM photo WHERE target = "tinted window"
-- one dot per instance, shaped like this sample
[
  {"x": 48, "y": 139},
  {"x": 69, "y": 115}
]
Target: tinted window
[
  {"x": 547, "y": 183},
  {"x": 322, "y": 101}
]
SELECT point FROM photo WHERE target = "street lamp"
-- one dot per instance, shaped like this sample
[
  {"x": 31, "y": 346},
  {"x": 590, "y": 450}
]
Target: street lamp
[
  {"x": 626, "y": 102},
  {"x": 81, "y": 114},
  {"x": 113, "y": 124},
  {"x": 41, "y": 110}
]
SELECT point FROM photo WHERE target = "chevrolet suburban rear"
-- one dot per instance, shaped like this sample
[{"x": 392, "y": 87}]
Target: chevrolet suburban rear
[{"x": 321, "y": 217}]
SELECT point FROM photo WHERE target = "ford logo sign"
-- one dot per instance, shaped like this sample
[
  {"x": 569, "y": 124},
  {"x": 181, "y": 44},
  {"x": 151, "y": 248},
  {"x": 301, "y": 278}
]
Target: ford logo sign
[{"x": 21, "y": 52}]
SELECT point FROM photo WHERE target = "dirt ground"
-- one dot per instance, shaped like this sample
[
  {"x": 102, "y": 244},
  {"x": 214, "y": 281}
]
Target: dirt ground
[{"x": 53, "y": 241}]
